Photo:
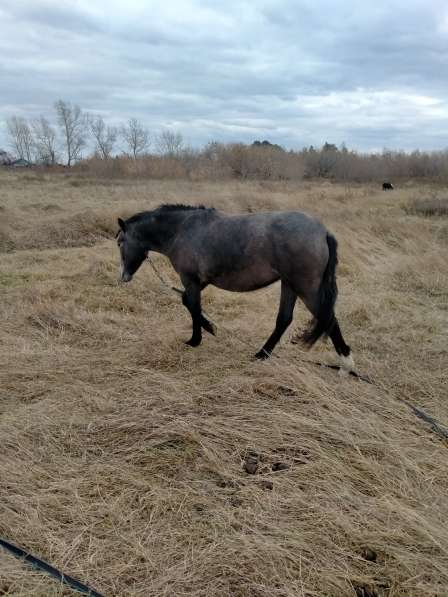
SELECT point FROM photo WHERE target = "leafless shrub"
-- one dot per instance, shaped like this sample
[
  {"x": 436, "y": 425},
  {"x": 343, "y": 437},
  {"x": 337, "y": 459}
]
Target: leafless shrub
[
  {"x": 164, "y": 167},
  {"x": 264, "y": 161},
  {"x": 254, "y": 161}
]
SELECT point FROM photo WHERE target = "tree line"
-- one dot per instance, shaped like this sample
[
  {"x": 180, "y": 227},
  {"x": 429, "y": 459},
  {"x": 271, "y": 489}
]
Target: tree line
[
  {"x": 137, "y": 152},
  {"x": 40, "y": 141}
]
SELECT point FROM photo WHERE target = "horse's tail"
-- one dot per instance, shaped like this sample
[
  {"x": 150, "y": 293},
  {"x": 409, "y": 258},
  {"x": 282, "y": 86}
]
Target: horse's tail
[{"x": 328, "y": 292}]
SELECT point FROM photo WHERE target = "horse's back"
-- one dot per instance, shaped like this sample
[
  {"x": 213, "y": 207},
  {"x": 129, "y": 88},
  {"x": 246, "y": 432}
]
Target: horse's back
[
  {"x": 279, "y": 244},
  {"x": 289, "y": 232},
  {"x": 263, "y": 233},
  {"x": 269, "y": 223}
]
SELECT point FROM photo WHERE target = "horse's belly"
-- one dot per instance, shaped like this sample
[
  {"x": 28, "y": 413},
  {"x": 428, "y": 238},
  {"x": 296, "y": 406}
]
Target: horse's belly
[{"x": 245, "y": 280}]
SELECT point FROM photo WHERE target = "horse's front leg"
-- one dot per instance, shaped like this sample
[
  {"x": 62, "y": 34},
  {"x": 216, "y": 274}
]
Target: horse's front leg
[
  {"x": 208, "y": 326},
  {"x": 191, "y": 298},
  {"x": 285, "y": 313}
]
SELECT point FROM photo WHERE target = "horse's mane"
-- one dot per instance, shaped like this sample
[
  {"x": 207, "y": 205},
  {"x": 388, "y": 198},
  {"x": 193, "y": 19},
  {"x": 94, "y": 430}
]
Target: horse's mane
[
  {"x": 166, "y": 208},
  {"x": 179, "y": 207}
]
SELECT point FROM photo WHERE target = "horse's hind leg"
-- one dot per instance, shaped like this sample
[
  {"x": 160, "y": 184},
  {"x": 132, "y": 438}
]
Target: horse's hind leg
[
  {"x": 285, "y": 313},
  {"x": 311, "y": 300},
  {"x": 343, "y": 350}
]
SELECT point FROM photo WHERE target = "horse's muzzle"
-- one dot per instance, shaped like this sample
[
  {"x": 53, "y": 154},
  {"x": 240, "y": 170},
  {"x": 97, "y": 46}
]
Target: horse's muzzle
[{"x": 125, "y": 276}]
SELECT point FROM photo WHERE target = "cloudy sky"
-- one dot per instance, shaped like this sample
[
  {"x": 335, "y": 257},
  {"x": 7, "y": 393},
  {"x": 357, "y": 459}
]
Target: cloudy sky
[{"x": 296, "y": 72}]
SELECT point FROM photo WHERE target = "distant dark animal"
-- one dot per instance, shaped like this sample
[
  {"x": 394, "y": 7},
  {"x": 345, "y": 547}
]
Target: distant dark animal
[
  {"x": 242, "y": 253},
  {"x": 388, "y": 186}
]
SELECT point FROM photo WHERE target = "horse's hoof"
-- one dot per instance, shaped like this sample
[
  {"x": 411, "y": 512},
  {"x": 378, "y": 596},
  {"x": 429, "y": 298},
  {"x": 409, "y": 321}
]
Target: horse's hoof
[
  {"x": 262, "y": 355},
  {"x": 210, "y": 328},
  {"x": 193, "y": 343},
  {"x": 347, "y": 363}
]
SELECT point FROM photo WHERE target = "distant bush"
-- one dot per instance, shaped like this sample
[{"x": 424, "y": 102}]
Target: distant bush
[{"x": 266, "y": 161}]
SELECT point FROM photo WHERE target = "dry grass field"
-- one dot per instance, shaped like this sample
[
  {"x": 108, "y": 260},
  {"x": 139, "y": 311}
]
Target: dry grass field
[{"x": 122, "y": 449}]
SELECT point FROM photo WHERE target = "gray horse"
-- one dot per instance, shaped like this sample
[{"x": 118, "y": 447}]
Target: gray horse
[{"x": 242, "y": 253}]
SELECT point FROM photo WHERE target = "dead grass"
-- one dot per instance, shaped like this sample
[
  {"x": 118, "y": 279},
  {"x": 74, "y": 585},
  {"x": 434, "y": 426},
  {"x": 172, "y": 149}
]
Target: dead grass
[
  {"x": 429, "y": 207},
  {"x": 122, "y": 448}
]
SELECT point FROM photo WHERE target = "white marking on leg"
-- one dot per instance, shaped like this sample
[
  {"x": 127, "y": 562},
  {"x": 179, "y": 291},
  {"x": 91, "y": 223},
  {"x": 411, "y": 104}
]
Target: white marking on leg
[{"x": 347, "y": 363}]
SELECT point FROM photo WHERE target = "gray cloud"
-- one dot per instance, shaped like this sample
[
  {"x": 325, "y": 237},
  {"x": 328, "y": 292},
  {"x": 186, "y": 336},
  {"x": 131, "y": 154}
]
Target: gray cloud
[
  {"x": 293, "y": 71},
  {"x": 52, "y": 16}
]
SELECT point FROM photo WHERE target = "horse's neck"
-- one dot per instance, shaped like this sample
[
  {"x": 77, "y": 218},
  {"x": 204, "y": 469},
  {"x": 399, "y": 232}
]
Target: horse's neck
[{"x": 165, "y": 232}]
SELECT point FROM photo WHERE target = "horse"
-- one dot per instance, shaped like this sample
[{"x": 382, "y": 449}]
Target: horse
[
  {"x": 388, "y": 186},
  {"x": 242, "y": 253}
]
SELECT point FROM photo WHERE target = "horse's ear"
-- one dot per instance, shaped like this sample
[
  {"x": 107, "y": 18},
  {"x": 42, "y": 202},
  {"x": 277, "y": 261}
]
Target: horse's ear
[{"x": 122, "y": 224}]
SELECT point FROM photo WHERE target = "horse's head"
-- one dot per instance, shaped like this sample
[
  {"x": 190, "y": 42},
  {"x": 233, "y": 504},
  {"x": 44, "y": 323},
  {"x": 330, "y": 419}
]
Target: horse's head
[{"x": 132, "y": 251}]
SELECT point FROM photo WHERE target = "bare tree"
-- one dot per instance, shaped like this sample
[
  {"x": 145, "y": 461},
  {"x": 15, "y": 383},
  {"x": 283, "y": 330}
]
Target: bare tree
[
  {"x": 45, "y": 141},
  {"x": 21, "y": 137},
  {"x": 170, "y": 143},
  {"x": 135, "y": 136},
  {"x": 73, "y": 123},
  {"x": 104, "y": 136}
]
